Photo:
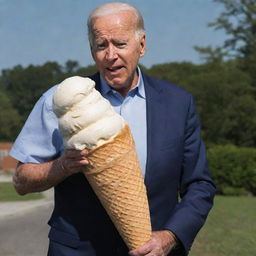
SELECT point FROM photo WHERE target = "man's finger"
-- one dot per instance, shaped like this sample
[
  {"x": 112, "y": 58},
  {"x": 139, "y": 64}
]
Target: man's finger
[
  {"x": 76, "y": 163},
  {"x": 142, "y": 250},
  {"x": 71, "y": 153}
]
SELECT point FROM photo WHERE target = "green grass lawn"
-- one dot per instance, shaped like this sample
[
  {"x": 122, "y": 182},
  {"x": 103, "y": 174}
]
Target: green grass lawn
[
  {"x": 8, "y": 193},
  {"x": 229, "y": 230}
]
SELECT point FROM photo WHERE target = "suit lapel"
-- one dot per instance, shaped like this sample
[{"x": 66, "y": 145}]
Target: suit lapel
[
  {"x": 156, "y": 119},
  {"x": 96, "y": 78}
]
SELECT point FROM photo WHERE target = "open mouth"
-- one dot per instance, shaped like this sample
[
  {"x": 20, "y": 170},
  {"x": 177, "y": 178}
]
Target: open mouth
[{"x": 113, "y": 69}]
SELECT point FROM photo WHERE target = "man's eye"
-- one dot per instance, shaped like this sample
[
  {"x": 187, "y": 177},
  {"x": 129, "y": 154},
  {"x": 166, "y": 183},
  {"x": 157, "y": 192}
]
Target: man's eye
[
  {"x": 121, "y": 45},
  {"x": 100, "y": 46}
]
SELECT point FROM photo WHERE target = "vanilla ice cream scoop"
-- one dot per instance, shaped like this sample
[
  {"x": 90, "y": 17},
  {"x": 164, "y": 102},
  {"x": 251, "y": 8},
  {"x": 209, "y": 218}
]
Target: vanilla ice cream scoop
[{"x": 86, "y": 119}]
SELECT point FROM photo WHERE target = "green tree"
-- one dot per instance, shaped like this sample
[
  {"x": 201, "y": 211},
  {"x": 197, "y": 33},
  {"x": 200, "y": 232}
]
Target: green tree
[
  {"x": 86, "y": 71},
  {"x": 238, "y": 20},
  {"x": 233, "y": 169},
  {"x": 210, "y": 54},
  {"x": 225, "y": 103},
  {"x": 9, "y": 119},
  {"x": 25, "y": 85},
  {"x": 71, "y": 66},
  {"x": 173, "y": 72}
]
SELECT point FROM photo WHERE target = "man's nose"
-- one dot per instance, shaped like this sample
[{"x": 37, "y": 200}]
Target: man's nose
[{"x": 111, "y": 53}]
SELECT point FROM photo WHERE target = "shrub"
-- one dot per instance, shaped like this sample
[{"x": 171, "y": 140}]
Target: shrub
[{"x": 233, "y": 169}]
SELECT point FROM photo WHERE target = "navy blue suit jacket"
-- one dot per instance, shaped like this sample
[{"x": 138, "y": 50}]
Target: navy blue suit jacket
[{"x": 176, "y": 168}]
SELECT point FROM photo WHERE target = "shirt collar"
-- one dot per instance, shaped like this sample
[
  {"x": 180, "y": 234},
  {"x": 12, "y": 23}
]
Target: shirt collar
[{"x": 138, "y": 89}]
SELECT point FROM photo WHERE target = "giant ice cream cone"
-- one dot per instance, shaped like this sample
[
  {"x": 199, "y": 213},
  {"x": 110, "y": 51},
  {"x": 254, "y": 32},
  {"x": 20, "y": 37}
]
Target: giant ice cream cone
[
  {"x": 116, "y": 178},
  {"x": 87, "y": 120}
]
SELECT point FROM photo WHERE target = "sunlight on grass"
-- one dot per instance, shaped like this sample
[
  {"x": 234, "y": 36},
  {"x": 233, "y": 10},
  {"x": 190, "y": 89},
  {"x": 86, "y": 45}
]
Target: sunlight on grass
[
  {"x": 229, "y": 230},
  {"x": 8, "y": 193}
]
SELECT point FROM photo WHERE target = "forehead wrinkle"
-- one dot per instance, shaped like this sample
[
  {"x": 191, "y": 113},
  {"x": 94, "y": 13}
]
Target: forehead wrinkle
[
  {"x": 112, "y": 35},
  {"x": 113, "y": 24}
]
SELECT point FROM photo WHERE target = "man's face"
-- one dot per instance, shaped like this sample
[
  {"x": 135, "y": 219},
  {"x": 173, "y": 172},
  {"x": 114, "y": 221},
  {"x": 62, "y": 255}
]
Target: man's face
[{"x": 116, "y": 50}]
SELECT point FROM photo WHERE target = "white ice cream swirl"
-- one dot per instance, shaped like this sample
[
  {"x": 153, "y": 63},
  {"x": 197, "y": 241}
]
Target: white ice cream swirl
[{"x": 86, "y": 119}]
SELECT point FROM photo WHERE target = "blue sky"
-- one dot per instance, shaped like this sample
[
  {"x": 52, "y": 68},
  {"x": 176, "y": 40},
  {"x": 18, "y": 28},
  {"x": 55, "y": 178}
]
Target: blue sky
[{"x": 34, "y": 31}]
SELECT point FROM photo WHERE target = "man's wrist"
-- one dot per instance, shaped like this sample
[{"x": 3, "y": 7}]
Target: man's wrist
[
  {"x": 174, "y": 240},
  {"x": 60, "y": 166}
]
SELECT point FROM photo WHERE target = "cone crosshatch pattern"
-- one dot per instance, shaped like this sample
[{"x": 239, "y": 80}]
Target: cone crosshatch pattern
[{"x": 115, "y": 176}]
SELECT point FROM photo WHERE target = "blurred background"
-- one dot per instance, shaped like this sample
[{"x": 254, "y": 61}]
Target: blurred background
[{"x": 207, "y": 47}]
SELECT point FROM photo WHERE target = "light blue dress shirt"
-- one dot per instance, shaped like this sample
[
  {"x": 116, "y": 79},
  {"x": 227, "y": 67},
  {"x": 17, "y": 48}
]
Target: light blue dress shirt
[
  {"x": 133, "y": 109},
  {"x": 39, "y": 140}
]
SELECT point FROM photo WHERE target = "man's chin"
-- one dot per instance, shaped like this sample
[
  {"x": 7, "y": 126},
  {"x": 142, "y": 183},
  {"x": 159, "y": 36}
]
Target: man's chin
[{"x": 115, "y": 83}]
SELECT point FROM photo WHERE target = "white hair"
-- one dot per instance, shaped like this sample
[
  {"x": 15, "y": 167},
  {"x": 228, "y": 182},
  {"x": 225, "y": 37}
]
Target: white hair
[{"x": 113, "y": 8}]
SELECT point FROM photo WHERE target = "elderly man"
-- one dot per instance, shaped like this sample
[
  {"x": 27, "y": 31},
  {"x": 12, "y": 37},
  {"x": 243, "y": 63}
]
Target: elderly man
[{"x": 167, "y": 134}]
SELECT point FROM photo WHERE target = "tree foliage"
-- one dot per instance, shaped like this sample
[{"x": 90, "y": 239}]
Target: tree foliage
[
  {"x": 238, "y": 20},
  {"x": 25, "y": 85},
  {"x": 233, "y": 169},
  {"x": 9, "y": 119}
]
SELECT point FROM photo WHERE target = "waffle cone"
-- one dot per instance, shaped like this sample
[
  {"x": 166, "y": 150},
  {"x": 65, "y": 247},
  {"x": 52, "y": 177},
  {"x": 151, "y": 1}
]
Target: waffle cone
[{"x": 115, "y": 176}]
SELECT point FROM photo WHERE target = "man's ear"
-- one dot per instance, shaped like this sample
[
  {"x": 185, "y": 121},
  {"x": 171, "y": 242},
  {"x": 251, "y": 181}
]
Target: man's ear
[
  {"x": 91, "y": 49},
  {"x": 142, "y": 45},
  {"x": 92, "y": 52}
]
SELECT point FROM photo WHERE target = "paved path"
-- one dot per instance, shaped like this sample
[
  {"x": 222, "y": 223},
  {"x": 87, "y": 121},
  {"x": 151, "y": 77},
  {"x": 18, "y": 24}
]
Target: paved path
[
  {"x": 23, "y": 225},
  {"x": 25, "y": 234}
]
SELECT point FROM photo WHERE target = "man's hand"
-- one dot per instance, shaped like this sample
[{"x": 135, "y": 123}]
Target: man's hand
[
  {"x": 73, "y": 161},
  {"x": 160, "y": 244},
  {"x": 31, "y": 177}
]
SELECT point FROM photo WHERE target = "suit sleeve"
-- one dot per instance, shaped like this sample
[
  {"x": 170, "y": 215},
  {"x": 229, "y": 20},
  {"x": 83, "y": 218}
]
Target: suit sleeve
[{"x": 197, "y": 189}]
